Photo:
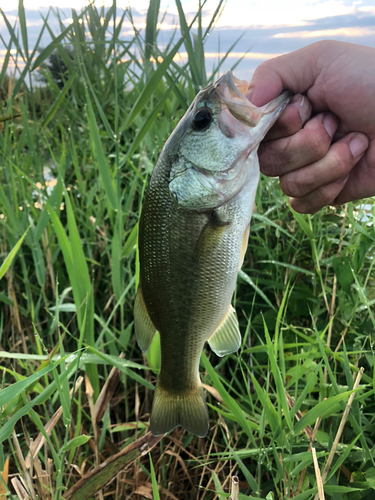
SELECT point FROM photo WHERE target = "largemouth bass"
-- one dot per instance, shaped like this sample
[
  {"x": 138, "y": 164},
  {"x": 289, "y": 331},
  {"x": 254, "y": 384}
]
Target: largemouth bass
[{"x": 193, "y": 234}]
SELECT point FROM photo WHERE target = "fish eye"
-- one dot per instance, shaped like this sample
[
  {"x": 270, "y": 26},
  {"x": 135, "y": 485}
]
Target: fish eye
[{"x": 202, "y": 119}]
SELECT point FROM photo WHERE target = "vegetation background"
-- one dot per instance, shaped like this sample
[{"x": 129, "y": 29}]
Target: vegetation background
[{"x": 83, "y": 121}]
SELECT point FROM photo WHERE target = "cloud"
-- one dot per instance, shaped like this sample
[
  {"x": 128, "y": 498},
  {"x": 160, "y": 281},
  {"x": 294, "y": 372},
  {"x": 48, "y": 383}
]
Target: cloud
[
  {"x": 330, "y": 33},
  {"x": 255, "y": 43}
]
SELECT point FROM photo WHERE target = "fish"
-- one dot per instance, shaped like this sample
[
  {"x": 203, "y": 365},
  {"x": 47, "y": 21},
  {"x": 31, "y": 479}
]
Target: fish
[{"x": 192, "y": 238}]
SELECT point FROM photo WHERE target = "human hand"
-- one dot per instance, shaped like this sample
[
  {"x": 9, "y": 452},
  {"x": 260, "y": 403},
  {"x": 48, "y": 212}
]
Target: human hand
[{"x": 323, "y": 146}]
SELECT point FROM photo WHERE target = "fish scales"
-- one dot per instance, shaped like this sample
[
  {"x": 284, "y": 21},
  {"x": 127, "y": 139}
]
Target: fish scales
[{"x": 193, "y": 233}]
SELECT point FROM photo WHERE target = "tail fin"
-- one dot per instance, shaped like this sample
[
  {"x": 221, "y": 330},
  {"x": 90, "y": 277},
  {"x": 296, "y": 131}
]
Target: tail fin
[{"x": 187, "y": 409}]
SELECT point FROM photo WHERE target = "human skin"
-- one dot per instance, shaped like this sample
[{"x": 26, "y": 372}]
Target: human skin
[{"x": 323, "y": 146}]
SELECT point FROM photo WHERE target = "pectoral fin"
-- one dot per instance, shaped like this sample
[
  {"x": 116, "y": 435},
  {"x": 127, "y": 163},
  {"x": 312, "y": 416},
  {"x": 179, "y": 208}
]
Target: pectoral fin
[
  {"x": 227, "y": 338},
  {"x": 144, "y": 328},
  {"x": 245, "y": 241},
  {"x": 210, "y": 237}
]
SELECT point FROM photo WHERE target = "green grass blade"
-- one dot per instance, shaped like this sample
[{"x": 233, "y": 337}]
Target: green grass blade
[
  {"x": 215, "y": 17},
  {"x": 75, "y": 442},
  {"x": 47, "y": 51},
  {"x": 247, "y": 474},
  {"x": 199, "y": 52},
  {"x": 11, "y": 392},
  {"x": 116, "y": 264},
  {"x": 342, "y": 458},
  {"x": 82, "y": 288},
  {"x": 150, "y": 87},
  {"x": 227, "y": 398},
  {"x": 7, "y": 429},
  {"x": 63, "y": 241},
  {"x": 323, "y": 409},
  {"x": 92, "y": 355},
  {"x": 6, "y": 300},
  {"x": 6, "y": 61},
  {"x": 22, "y": 20},
  {"x": 362, "y": 297},
  {"x": 38, "y": 423},
  {"x": 155, "y": 489},
  {"x": 13, "y": 35},
  {"x": 148, "y": 123},
  {"x": 248, "y": 280},
  {"x": 153, "y": 355},
  {"x": 219, "y": 490},
  {"x": 224, "y": 58},
  {"x": 280, "y": 386},
  {"x": 151, "y": 25},
  {"x": 296, "y": 269},
  {"x": 104, "y": 169},
  {"x": 131, "y": 242},
  {"x": 308, "y": 387},
  {"x": 304, "y": 225},
  {"x": 185, "y": 31},
  {"x": 102, "y": 114},
  {"x": 59, "y": 100},
  {"x": 9, "y": 258},
  {"x": 122, "y": 365}
]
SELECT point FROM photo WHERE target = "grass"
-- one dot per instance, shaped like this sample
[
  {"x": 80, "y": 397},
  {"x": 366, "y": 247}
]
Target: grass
[{"x": 85, "y": 118}]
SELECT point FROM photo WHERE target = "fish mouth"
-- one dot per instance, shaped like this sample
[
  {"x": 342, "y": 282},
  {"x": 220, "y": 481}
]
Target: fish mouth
[{"x": 238, "y": 113}]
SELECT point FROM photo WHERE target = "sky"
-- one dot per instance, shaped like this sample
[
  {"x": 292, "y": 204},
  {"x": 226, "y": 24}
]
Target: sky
[{"x": 269, "y": 27}]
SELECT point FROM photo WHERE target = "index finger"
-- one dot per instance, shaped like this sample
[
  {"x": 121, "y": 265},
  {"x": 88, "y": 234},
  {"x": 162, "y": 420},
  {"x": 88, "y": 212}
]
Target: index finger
[{"x": 296, "y": 71}]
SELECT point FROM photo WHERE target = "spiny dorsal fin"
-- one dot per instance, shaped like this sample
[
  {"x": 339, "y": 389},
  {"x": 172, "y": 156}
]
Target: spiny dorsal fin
[
  {"x": 227, "y": 338},
  {"x": 144, "y": 328}
]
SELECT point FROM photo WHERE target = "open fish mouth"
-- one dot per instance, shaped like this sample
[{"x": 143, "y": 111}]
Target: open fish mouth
[{"x": 238, "y": 111}]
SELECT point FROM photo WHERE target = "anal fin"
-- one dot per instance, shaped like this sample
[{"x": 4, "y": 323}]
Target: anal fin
[
  {"x": 144, "y": 328},
  {"x": 227, "y": 338}
]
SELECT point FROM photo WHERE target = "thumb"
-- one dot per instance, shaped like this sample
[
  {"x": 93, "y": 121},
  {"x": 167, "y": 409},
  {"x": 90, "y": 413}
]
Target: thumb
[{"x": 296, "y": 71}]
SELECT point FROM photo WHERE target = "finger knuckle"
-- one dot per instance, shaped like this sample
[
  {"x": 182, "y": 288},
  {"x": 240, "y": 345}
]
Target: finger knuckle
[
  {"x": 340, "y": 161},
  {"x": 296, "y": 185},
  {"x": 314, "y": 201},
  {"x": 327, "y": 194},
  {"x": 284, "y": 153},
  {"x": 303, "y": 206},
  {"x": 264, "y": 66},
  {"x": 289, "y": 122},
  {"x": 316, "y": 144},
  {"x": 269, "y": 160},
  {"x": 287, "y": 186}
]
